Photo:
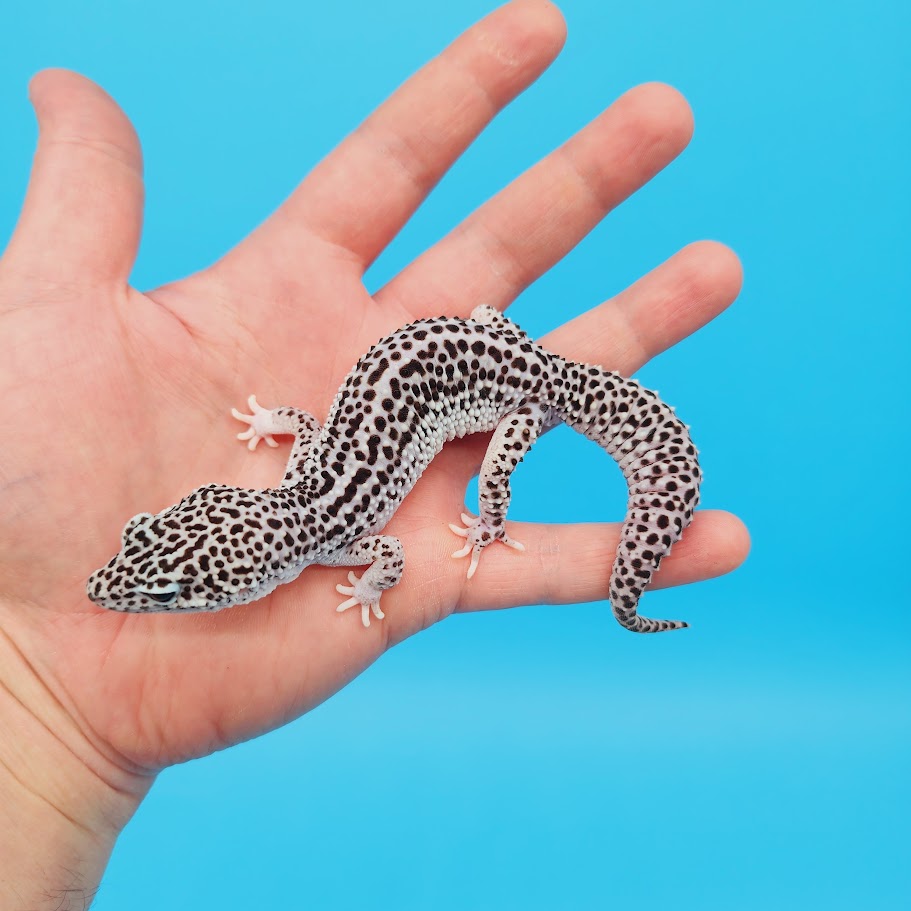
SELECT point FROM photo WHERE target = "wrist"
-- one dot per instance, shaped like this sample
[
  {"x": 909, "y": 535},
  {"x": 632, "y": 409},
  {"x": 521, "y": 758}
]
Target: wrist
[
  {"x": 62, "y": 801},
  {"x": 47, "y": 861}
]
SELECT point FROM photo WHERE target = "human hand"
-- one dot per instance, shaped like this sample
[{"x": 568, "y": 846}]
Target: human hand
[{"x": 122, "y": 401}]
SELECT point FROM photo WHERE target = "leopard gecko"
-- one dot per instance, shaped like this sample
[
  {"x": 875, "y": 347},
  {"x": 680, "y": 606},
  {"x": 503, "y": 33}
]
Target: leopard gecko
[{"x": 430, "y": 382}]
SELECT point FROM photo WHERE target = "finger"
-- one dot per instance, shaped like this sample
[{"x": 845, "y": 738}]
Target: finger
[
  {"x": 670, "y": 303},
  {"x": 569, "y": 564},
  {"x": 364, "y": 191},
  {"x": 526, "y": 228},
  {"x": 82, "y": 215}
]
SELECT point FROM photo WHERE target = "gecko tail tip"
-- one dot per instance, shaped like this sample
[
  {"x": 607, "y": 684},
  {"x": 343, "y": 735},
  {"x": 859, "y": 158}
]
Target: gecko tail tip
[{"x": 637, "y": 624}]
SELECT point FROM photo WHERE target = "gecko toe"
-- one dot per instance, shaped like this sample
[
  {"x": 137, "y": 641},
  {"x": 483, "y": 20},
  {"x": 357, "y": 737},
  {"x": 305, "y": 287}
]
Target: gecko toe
[{"x": 478, "y": 534}]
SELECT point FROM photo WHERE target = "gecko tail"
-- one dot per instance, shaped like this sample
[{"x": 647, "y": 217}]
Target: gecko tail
[
  {"x": 653, "y": 449},
  {"x": 639, "y": 624}
]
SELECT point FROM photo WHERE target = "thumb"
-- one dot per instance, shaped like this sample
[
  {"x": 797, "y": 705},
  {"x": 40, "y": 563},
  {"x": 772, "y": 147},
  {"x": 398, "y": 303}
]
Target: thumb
[{"x": 82, "y": 216}]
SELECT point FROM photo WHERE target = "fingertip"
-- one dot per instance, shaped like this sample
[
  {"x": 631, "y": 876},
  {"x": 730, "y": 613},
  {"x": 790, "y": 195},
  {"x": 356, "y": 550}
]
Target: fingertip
[
  {"x": 523, "y": 36},
  {"x": 704, "y": 279},
  {"x": 719, "y": 265},
  {"x": 683, "y": 294},
  {"x": 71, "y": 104},
  {"x": 715, "y": 544},
  {"x": 44, "y": 81},
  {"x": 663, "y": 113},
  {"x": 46, "y": 91},
  {"x": 544, "y": 22},
  {"x": 735, "y": 536},
  {"x": 56, "y": 87}
]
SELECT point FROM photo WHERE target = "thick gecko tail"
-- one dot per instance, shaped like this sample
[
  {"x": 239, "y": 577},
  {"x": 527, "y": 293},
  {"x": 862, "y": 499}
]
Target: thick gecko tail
[
  {"x": 653, "y": 448},
  {"x": 660, "y": 507}
]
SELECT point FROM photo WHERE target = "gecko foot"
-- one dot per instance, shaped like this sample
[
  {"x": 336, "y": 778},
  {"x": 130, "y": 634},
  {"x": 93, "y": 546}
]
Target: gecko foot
[
  {"x": 478, "y": 534},
  {"x": 261, "y": 424},
  {"x": 365, "y": 595}
]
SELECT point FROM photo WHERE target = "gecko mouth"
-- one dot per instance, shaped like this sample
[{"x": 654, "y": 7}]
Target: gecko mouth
[{"x": 176, "y": 597}]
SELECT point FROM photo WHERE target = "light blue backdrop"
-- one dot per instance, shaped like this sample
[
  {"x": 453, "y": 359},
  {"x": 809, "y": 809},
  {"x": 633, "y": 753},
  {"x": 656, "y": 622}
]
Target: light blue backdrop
[{"x": 543, "y": 758}]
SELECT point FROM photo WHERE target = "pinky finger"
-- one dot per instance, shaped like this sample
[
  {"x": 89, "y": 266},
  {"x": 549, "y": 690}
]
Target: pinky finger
[{"x": 569, "y": 564}]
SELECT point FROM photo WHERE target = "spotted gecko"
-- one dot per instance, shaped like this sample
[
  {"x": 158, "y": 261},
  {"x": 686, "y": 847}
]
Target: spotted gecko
[{"x": 430, "y": 382}]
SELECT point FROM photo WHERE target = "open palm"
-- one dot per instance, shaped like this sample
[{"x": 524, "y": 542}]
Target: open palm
[{"x": 116, "y": 402}]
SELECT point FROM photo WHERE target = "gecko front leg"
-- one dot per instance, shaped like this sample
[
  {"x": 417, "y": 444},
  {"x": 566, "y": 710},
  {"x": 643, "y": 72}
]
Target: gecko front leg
[
  {"x": 387, "y": 560},
  {"x": 264, "y": 422}
]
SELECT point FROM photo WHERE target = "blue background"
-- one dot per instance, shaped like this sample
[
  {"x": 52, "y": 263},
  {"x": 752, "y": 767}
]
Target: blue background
[{"x": 542, "y": 758}]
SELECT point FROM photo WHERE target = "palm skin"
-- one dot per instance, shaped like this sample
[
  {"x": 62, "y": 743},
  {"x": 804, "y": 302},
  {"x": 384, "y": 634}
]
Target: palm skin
[{"x": 121, "y": 401}]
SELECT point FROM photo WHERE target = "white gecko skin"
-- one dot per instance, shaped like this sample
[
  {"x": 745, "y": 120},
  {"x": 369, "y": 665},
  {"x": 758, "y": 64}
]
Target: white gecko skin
[{"x": 430, "y": 382}]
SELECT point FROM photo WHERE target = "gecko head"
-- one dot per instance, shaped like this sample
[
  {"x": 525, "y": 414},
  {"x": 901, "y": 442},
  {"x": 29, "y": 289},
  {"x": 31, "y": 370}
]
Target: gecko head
[{"x": 217, "y": 547}]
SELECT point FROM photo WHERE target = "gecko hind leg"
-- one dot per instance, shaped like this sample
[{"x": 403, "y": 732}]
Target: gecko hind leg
[{"x": 511, "y": 440}]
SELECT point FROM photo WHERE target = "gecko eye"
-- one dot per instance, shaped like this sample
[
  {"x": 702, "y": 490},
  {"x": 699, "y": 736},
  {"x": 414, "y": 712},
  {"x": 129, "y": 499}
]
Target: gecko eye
[{"x": 165, "y": 595}]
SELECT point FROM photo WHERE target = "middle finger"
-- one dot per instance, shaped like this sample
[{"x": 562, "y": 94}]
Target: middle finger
[{"x": 535, "y": 221}]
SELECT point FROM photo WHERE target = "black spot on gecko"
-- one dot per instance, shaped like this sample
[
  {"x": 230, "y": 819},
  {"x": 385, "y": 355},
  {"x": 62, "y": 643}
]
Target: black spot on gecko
[{"x": 374, "y": 377}]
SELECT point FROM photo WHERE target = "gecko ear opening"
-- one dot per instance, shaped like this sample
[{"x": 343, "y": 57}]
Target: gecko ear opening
[{"x": 133, "y": 524}]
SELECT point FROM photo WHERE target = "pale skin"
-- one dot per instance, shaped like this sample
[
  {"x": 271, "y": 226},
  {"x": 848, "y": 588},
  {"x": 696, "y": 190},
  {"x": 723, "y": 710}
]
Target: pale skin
[{"x": 134, "y": 392}]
